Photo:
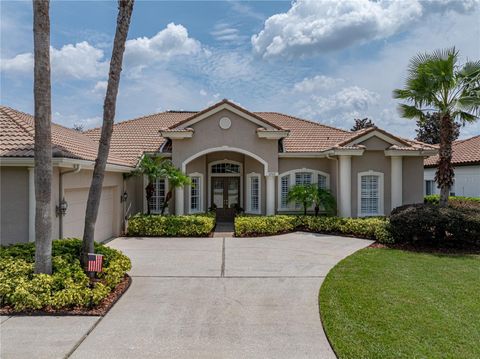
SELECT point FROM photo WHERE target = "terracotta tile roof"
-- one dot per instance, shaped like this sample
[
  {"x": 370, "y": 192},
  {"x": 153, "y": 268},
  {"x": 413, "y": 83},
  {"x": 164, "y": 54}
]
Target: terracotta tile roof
[
  {"x": 17, "y": 139},
  {"x": 465, "y": 152}
]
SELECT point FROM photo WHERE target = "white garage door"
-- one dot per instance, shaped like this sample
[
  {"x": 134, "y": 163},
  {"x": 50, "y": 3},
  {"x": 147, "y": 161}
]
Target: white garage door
[{"x": 73, "y": 221}]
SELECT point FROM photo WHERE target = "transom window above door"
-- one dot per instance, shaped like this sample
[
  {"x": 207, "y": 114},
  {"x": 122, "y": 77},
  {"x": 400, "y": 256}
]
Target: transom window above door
[{"x": 225, "y": 167}]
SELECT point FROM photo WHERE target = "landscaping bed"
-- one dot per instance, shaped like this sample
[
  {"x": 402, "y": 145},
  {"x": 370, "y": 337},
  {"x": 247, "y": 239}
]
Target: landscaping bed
[
  {"x": 370, "y": 228},
  {"x": 68, "y": 291},
  {"x": 142, "y": 225},
  {"x": 390, "y": 303}
]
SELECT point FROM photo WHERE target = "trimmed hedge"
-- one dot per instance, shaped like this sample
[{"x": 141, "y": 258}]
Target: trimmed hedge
[
  {"x": 431, "y": 223},
  {"x": 454, "y": 200},
  {"x": 372, "y": 228},
  {"x": 171, "y": 226},
  {"x": 67, "y": 287}
]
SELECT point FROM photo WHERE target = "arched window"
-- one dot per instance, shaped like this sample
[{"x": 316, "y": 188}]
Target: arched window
[
  {"x": 296, "y": 177},
  {"x": 225, "y": 167}
]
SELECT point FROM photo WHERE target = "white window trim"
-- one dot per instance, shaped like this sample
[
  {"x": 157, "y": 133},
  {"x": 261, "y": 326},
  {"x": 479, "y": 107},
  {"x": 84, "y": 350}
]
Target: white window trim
[
  {"x": 200, "y": 194},
  {"x": 291, "y": 206},
  {"x": 153, "y": 211},
  {"x": 210, "y": 174},
  {"x": 380, "y": 193},
  {"x": 249, "y": 193}
]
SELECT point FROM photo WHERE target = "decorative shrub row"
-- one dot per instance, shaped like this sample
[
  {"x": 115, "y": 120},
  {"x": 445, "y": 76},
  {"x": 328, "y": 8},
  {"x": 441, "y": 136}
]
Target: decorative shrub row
[
  {"x": 373, "y": 228},
  {"x": 67, "y": 287},
  {"x": 454, "y": 201},
  {"x": 171, "y": 226},
  {"x": 431, "y": 223}
]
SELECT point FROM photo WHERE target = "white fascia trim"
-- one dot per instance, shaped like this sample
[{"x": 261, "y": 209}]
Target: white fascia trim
[
  {"x": 348, "y": 152},
  {"x": 249, "y": 193},
  {"x": 200, "y": 194},
  {"x": 376, "y": 134},
  {"x": 381, "y": 202},
  {"x": 62, "y": 162},
  {"x": 230, "y": 108},
  {"x": 177, "y": 135},
  {"x": 272, "y": 134},
  {"x": 422, "y": 153}
]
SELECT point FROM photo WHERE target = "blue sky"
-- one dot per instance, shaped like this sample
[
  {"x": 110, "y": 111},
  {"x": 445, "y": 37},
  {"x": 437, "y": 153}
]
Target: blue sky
[{"x": 323, "y": 60}]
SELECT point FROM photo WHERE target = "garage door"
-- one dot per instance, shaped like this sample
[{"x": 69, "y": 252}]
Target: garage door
[{"x": 73, "y": 221}]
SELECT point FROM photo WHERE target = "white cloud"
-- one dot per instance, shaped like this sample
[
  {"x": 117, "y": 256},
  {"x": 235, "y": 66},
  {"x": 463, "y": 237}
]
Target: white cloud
[
  {"x": 171, "y": 41},
  {"x": 316, "y": 83},
  {"x": 312, "y": 26},
  {"x": 79, "y": 61},
  {"x": 100, "y": 87},
  {"x": 226, "y": 33}
]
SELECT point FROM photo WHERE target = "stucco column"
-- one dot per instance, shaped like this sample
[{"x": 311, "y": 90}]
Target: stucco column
[
  {"x": 31, "y": 204},
  {"x": 179, "y": 192},
  {"x": 345, "y": 191},
  {"x": 270, "y": 193},
  {"x": 396, "y": 182}
]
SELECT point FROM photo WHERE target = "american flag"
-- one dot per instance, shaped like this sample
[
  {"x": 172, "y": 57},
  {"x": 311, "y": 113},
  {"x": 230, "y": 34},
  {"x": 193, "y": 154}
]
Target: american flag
[{"x": 95, "y": 262}]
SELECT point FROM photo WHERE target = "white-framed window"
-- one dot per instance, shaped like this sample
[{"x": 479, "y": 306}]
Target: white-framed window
[
  {"x": 429, "y": 187},
  {"x": 299, "y": 176},
  {"x": 254, "y": 193},
  {"x": 160, "y": 191},
  {"x": 195, "y": 195},
  {"x": 370, "y": 194}
]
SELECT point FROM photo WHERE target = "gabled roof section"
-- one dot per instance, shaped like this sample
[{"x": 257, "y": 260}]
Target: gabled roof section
[
  {"x": 17, "y": 139},
  {"x": 465, "y": 152},
  {"x": 226, "y": 105}
]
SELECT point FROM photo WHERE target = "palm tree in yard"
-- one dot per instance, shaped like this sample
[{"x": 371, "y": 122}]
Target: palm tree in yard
[
  {"x": 303, "y": 194},
  {"x": 436, "y": 82},
  {"x": 125, "y": 9},
  {"x": 176, "y": 179},
  {"x": 152, "y": 168},
  {"x": 43, "y": 137},
  {"x": 323, "y": 198}
]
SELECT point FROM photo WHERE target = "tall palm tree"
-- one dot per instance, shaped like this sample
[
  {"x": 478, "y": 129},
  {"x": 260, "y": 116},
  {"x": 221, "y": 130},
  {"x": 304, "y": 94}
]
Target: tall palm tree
[
  {"x": 43, "y": 137},
  {"x": 436, "y": 82},
  {"x": 125, "y": 9}
]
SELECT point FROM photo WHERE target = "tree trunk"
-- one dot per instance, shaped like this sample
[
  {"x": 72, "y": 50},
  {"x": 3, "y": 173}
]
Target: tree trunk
[
  {"x": 125, "y": 8},
  {"x": 43, "y": 137},
  {"x": 317, "y": 210},
  {"x": 149, "y": 190},
  {"x": 304, "y": 209},
  {"x": 165, "y": 203},
  {"x": 444, "y": 175}
]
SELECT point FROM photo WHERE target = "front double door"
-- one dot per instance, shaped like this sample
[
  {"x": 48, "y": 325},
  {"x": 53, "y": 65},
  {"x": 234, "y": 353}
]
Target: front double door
[{"x": 225, "y": 197}]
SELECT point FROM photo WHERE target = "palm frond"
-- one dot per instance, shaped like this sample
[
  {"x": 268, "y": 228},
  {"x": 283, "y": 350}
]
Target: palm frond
[
  {"x": 465, "y": 117},
  {"x": 410, "y": 112}
]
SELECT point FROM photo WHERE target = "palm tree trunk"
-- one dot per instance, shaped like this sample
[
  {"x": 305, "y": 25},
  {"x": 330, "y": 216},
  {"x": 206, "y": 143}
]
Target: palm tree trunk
[
  {"x": 165, "y": 202},
  {"x": 444, "y": 175},
  {"x": 125, "y": 8},
  {"x": 149, "y": 190},
  {"x": 43, "y": 137}
]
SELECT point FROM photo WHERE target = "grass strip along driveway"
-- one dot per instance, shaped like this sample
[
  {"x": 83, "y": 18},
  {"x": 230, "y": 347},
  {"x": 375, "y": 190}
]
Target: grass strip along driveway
[{"x": 388, "y": 303}]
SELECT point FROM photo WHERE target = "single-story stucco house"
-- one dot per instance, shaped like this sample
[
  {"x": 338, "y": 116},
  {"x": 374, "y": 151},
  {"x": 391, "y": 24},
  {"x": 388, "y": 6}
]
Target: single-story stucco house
[
  {"x": 466, "y": 162},
  {"x": 236, "y": 158}
]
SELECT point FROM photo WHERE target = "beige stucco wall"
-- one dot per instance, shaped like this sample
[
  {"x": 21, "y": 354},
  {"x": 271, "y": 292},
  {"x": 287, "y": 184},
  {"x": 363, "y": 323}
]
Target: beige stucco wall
[
  {"x": 412, "y": 169},
  {"x": 13, "y": 205},
  {"x": 375, "y": 161},
  {"x": 241, "y": 134}
]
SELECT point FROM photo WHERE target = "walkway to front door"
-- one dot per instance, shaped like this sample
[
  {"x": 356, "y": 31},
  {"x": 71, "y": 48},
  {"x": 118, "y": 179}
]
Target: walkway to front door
[{"x": 225, "y": 197}]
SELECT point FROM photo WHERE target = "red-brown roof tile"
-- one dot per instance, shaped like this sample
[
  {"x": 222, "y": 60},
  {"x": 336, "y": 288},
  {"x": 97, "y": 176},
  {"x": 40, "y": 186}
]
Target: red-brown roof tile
[{"x": 465, "y": 152}]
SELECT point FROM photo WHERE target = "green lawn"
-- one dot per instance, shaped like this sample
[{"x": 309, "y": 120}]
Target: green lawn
[{"x": 387, "y": 303}]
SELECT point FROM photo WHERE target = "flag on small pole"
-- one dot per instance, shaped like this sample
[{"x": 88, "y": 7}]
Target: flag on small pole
[{"x": 95, "y": 262}]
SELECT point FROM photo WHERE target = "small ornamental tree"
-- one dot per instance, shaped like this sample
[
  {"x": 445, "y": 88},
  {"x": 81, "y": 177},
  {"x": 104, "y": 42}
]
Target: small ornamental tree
[
  {"x": 304, "y": 194},
  {"x": 324, "y": 199},
  {"x": 176, "y": 178}
]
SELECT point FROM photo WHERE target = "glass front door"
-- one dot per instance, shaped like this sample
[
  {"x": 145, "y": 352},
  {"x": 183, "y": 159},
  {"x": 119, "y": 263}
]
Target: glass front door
[{"x": 225, "y": 196}]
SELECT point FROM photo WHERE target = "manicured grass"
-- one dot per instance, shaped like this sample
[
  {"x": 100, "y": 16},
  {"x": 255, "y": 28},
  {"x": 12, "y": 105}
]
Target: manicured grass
[{"x": 388, "y": 303}]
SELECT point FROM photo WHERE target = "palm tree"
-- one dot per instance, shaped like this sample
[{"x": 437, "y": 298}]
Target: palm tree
[
  {"x": 125, "y": 9},
  {"x": 437, "y": 83},
  {"x": 153, "y": 168},
  {"x": 43, "y": 137},
  {"x": 323, "y": 198},
  {"x": 304, "y": 194},
  {"x": 176, "y": 178}
]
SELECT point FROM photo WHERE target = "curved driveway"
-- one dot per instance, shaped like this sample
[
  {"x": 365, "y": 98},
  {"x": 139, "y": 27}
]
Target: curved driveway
[{"x": 220, "y": 298}]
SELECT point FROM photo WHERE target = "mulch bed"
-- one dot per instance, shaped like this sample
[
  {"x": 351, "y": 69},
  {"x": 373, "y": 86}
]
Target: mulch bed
[
  {"x": 425, "y": 248},
  {"x": 99, "y": 310}
]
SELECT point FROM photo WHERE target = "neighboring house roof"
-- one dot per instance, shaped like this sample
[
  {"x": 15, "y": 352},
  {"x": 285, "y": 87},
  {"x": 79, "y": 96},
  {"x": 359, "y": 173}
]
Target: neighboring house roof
[
  {"x": 17, "y": 139},
  {"x": 465, "y": 152}
]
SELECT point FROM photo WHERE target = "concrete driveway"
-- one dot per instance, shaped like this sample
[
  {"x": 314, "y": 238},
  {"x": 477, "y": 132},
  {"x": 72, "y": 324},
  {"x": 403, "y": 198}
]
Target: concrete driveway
[{"x": 203, "y": 298}]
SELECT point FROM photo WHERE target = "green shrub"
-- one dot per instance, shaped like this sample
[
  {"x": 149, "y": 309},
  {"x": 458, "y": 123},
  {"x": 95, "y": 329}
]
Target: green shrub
[
  {"x": 372, "y": 228},
  {"x": 434, "y": 224},
  {"x": 171, "y": 226},
  {"x": 67, "y": 287},
  {"x": 454, "y": 200}
]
